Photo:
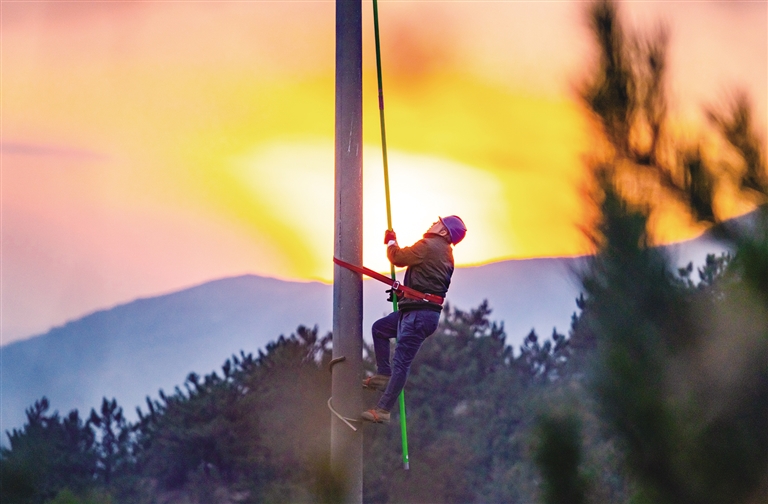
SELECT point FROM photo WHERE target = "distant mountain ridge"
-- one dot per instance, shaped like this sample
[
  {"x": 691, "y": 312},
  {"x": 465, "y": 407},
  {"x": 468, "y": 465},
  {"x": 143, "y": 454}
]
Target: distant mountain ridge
[{"x": 133, "y": 350}]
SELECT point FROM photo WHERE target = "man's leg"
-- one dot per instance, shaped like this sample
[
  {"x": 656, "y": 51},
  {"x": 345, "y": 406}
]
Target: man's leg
[
  {"x": 384, "y": 330},
  {"x": 414, "y": 328}
]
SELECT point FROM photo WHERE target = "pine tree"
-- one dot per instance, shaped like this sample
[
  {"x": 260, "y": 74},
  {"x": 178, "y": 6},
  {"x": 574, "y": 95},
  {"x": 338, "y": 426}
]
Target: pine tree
[
  {"x": 678, "y": 374},
  {"x": 48, "y": 454},
  {"x": 114, "y": 446}
]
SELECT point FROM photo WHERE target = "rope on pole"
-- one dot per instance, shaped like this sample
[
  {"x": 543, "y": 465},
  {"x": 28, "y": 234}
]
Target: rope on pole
[
  {"x": 401, "y": 399},
  {"x": 342, "y": 418}
]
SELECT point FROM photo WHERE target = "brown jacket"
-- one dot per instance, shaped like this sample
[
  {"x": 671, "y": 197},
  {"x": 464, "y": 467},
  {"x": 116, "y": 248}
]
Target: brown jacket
[{"x": 430, "y": 267}]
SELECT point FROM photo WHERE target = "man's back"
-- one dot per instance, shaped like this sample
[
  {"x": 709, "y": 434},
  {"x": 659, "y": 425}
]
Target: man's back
[{"x": 430, "y": 267}]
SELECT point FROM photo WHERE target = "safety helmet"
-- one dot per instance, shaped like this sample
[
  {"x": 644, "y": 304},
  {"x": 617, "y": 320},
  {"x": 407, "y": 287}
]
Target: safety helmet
[{"x": 455, "y": 226}]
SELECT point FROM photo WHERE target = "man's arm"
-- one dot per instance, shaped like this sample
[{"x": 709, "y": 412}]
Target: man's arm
[{"x": 406, "y": 256}]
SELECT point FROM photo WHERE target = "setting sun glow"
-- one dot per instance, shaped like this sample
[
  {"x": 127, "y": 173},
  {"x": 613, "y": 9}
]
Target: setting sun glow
[{"x": 149, "y": 146}]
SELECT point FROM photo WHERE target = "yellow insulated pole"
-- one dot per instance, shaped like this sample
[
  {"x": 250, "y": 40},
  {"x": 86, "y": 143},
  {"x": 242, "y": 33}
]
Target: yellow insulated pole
[{"x": 401, "y": 397}]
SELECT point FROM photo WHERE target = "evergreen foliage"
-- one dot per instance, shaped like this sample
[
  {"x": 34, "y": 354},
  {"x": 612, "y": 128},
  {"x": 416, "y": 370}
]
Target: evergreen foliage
[
  {"x": 254, "y": 431},
  {"x": 677, "y": 371},
  {"x": 559, "y": 455},
  {"x": 259, "y": 430},
  {"x": 47, "y": 454}
]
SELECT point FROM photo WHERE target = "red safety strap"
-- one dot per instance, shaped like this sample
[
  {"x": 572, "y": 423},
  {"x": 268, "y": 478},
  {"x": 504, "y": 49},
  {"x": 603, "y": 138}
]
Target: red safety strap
[{"x": 396, "y": 286}]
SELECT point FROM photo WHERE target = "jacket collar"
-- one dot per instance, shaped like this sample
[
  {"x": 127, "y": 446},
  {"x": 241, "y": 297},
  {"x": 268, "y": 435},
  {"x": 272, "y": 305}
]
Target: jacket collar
[{"x": 435, "y": 235}]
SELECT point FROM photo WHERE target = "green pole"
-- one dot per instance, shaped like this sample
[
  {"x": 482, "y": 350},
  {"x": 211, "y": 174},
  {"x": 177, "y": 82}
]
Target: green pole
[{"x": 403, "y": 429}]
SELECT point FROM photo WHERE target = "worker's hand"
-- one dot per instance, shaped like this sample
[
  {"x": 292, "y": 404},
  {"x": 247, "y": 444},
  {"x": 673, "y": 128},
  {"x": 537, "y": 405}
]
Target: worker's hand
[{"x": 389, "y": 236}]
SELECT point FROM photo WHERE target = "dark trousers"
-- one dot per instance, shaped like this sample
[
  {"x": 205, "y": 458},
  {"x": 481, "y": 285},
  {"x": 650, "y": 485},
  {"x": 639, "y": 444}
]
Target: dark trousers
[{"x": 411, "y": 329}]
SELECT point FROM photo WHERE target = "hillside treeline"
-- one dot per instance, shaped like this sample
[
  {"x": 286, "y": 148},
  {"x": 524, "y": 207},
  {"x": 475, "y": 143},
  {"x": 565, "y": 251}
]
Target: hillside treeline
[{"x": 259, "y": 429}]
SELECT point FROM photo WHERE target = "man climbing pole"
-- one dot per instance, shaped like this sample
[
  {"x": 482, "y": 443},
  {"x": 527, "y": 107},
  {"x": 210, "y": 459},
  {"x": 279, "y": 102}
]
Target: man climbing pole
[{"x": 430, "y": 267}]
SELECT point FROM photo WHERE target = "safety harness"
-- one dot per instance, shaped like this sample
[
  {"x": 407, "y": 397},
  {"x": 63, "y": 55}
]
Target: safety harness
[{"x": 399, "y": 288}]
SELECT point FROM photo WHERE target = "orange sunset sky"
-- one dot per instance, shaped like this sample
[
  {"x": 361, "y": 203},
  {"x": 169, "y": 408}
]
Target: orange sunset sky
[{"x": 151, "y": 146}]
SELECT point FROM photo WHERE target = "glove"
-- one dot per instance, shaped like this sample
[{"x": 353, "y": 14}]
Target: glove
[
  {"x": 392, "y": 294},
  {"x": 389, "y": 236}
]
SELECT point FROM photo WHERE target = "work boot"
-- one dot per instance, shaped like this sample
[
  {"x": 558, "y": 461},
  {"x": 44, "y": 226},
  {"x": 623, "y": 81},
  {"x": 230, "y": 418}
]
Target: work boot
[
  {"x": 376, "y": 415},
  {"x": 376, "y": 382}
]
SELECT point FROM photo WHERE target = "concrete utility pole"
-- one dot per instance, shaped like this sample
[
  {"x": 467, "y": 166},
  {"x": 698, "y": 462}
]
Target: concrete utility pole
[{"x": 346, "y": 388}]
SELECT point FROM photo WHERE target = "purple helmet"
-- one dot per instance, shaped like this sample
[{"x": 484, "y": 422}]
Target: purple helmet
[{"x": 455, "y": 227}]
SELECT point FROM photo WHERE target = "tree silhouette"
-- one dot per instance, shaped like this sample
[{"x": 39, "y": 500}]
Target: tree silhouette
[
  {"x": 48, "y": 454},
  {"x": 114, "y": 447},
  {"x": 678, "y": 375}
]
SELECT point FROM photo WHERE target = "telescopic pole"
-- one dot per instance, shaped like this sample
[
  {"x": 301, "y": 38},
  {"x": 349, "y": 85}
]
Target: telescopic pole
[{"x": 403, "y": 429}]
